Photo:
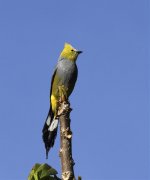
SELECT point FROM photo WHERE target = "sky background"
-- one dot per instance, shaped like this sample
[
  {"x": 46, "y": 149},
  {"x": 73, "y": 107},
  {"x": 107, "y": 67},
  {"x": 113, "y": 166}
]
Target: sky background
[{"x": 110, "y": 100}]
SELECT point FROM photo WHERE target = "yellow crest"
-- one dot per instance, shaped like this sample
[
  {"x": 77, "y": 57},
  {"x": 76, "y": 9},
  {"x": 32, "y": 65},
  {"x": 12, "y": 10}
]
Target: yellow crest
[{"x": 69, "y": 52}]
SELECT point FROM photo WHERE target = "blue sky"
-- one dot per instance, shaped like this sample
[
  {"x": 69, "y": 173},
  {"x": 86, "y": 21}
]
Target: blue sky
[{"x": 110, "y": 100}]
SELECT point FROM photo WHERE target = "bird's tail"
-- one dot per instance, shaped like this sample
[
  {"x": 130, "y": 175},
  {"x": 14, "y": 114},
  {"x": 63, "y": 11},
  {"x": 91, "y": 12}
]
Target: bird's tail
[{"x": 49, "y": 131}]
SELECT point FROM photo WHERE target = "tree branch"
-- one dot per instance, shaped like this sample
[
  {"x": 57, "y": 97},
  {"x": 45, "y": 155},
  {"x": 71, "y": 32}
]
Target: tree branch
[{"x": 65, "y": 154}]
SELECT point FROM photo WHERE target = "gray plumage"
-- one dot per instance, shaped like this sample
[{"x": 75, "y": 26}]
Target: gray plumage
[{"x": 66, "y": 73}]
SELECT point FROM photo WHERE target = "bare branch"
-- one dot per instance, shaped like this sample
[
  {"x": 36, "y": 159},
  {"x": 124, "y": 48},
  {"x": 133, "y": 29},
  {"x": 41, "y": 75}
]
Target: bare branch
[{"x": 65, "y": 153}]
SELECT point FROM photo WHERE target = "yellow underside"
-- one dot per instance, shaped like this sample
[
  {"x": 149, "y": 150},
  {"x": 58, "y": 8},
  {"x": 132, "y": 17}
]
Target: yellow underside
[{"x": 54, "y": 104}]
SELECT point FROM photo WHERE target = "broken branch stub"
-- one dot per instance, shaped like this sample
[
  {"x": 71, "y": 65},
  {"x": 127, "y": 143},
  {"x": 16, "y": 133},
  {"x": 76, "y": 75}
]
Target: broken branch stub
[{"x": 65, "y": 153}]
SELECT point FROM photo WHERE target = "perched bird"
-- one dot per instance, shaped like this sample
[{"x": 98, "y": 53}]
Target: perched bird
[{"x": 65, "y": 74}]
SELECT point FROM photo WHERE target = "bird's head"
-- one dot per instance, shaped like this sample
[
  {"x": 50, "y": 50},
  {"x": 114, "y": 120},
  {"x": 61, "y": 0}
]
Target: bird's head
[{"x": 69, "y": 52}]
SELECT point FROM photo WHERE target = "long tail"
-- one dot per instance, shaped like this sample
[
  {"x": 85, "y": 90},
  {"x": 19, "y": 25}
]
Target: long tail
[{"x": 49, "y": 131}]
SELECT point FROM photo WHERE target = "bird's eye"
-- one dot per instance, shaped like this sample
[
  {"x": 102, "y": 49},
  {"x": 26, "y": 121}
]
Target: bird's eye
[{"x": 72, "y": 50}]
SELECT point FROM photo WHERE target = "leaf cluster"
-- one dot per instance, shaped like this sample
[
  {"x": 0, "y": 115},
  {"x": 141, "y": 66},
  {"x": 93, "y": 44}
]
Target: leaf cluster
[{"x": 43, "y": 172}]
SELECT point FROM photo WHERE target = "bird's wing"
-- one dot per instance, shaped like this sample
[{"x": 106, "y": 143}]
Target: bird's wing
[
  {"x": 52, "y": 80},
  {"x": 49, "y": 136}
]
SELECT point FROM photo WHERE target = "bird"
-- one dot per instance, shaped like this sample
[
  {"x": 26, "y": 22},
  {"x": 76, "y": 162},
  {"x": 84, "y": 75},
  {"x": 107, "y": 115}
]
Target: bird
[{"x": 65, "y": 74}]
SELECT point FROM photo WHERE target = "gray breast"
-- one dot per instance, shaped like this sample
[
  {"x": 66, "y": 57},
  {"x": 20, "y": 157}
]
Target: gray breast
[{"x": 67, "y": 72}]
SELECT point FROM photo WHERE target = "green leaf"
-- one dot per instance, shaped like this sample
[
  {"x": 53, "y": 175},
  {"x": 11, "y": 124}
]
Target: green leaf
[
  {"x": 46, "y": 170},
  {"x": 42, "y": 172}
]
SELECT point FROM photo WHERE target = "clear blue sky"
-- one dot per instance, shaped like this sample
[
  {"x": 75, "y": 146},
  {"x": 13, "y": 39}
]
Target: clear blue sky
[{"x": 110, "y": 100}]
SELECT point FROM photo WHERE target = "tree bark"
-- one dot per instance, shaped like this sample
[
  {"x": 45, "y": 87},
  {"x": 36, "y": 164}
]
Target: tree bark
[{"x": 67, "y": 162}]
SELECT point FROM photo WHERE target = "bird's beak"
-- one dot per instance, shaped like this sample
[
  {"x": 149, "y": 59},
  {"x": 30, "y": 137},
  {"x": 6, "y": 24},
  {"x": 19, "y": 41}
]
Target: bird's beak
[{"x": 79, "y": 52}]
